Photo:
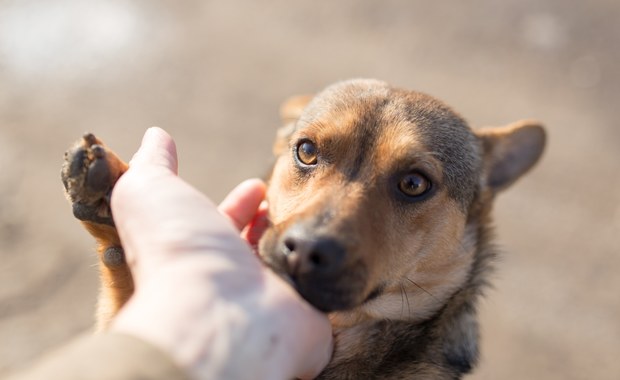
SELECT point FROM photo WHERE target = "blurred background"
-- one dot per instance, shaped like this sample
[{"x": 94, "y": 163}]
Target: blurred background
[{"x": 213, "y": 74}]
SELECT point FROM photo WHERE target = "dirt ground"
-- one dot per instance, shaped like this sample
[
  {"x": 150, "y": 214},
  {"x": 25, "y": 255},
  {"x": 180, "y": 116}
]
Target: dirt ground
[{"x": 213, "y": 74}]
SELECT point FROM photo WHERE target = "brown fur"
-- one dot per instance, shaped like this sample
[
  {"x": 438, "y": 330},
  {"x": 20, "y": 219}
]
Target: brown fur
[
  {"x": 89, "y": 199},
  {"x": 399, "y": 276}
]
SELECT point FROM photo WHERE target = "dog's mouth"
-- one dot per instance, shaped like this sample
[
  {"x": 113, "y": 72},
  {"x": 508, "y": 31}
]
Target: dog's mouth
[
  {"x": 331, "y": 293},
  {"x": 375, "y": 293},
  {"x": 329, "y": 281}
]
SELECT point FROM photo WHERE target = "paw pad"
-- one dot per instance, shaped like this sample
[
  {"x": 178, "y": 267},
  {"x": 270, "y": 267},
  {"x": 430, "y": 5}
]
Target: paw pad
[
  {"x": 113, "y": 257},
  {"x": 88, "y": 173}
]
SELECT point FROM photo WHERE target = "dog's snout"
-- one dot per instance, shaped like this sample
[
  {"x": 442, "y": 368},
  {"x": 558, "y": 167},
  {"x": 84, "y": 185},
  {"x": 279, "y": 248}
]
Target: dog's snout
[
  {"x": 306, "y": 255},
  {"x": 321, "y": 267}
]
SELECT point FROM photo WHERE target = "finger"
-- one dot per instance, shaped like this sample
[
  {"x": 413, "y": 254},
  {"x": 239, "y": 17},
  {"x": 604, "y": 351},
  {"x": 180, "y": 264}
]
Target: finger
[
  {"x": 317, "y": 361},
  {"x": 309, "y": 335},
  {"x": 312, "y": 362},
  {"x": 157, "y": 149},
  {"x": 242, "y": 203},
  {"x": 255, "y": 229},
  {"x": 142, "y": 200}
]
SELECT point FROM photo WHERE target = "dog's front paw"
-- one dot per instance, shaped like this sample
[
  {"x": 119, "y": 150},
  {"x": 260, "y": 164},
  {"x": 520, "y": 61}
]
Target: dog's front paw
[{"x": 89, "y": 172}]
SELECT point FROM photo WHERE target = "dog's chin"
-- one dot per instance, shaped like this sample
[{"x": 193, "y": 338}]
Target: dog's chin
[
  {"x": 326, "y": 295},
  {"x": 325, "y": 298}
]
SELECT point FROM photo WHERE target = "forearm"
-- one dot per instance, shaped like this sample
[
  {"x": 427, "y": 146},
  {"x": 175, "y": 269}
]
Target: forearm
[{"x": 112, "y": 356}]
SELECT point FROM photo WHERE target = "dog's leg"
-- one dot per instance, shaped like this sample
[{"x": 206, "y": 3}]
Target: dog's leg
[{"x": 89, "y": 172}]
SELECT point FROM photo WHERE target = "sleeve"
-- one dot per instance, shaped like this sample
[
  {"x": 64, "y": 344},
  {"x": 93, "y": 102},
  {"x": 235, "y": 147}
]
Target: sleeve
[{"x": 109, "y": 356}]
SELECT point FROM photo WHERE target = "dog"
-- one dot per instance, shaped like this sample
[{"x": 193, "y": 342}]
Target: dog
[{"x": 380, "y": 205}]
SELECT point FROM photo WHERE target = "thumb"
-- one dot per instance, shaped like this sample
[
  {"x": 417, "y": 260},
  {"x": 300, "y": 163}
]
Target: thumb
[
  {"x": 157, "y": 213},
  {"x": 157, "y": 150}
]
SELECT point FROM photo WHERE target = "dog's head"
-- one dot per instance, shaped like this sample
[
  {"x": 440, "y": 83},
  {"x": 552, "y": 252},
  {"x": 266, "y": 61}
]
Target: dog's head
[{"x": 377, "y": 194}]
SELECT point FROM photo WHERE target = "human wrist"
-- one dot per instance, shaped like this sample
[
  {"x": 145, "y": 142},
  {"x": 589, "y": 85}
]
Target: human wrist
[{"x": 254, "y": 325}]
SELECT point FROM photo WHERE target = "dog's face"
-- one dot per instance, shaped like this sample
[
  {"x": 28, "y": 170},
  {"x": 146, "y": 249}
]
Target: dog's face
[{"x": 371, "y": 199}]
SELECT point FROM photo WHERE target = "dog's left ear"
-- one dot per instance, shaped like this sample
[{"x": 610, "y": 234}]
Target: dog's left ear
[
  {"x": 290, "y": 111},
  {"x": 510, "y": 151}
]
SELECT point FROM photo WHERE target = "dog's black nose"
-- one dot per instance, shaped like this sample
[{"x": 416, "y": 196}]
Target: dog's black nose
[
  {"x": 321, "y": 267},
  {"x": 312, "y": 255}
]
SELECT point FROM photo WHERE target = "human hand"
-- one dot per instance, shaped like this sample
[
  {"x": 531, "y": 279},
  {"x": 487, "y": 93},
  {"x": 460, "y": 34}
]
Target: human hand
[{"x": 200, "y": 294}]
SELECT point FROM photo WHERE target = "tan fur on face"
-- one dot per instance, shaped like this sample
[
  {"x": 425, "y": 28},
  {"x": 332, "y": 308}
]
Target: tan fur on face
[
  {"x": 422, "y": 278},
  {"x": 414, "y": 252}
]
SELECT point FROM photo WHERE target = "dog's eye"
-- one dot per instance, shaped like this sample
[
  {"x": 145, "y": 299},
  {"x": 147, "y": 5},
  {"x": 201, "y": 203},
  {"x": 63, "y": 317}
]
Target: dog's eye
[
  {"x": 307, "y": 153},
  {"x": 414, "y": 185}
]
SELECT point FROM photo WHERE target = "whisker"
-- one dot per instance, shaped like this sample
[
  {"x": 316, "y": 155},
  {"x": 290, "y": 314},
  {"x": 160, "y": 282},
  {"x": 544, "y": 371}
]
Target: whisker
[
  {"x": 402, "y": 300},
  {"x": 421, "y": 288},
  {"x": 407, "y": 298}
]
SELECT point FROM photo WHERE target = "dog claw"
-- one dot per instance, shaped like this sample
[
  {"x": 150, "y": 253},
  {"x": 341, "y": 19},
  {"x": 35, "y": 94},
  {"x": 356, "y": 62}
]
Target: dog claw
[{"x": 89, "y": 139}]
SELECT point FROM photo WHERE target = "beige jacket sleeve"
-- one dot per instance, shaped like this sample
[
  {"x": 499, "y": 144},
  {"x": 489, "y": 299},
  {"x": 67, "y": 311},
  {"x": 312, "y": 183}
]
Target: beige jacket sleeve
[{"x": 103, "y": 357}]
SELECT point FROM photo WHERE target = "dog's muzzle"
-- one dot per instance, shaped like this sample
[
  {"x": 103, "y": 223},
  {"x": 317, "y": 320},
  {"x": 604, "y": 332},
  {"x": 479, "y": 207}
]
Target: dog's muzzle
[{"x": 321, "y": 269}]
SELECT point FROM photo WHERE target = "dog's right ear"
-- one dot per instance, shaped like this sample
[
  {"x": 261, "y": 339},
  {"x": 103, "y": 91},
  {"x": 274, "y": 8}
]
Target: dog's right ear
[
  {"x": 290, "y": 111},
  {"x": 510, "y": 151}
]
